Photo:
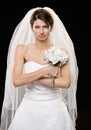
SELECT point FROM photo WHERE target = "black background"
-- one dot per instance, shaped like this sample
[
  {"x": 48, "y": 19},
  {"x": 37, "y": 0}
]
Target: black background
[{"x": 76, "y": 18}]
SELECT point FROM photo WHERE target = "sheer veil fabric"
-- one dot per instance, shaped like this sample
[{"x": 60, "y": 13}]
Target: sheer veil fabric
[{"x": 23, "y": 34}]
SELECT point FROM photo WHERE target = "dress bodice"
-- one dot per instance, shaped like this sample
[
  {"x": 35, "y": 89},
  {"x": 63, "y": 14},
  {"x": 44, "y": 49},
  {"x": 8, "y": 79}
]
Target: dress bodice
[{"x": 36, "y": 90}]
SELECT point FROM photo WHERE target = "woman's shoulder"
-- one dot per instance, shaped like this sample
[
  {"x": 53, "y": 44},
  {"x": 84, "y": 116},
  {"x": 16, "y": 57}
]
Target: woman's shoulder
[
  {"x": 23, "y": 46},
  {"x": 64, "y": 49}
]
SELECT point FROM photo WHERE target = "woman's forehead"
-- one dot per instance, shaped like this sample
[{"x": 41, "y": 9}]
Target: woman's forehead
[{"x": 40, "y": 22}]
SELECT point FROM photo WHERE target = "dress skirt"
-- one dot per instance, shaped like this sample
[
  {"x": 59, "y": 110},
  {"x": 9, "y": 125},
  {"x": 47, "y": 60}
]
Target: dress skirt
[{"x": 42, "y": 115}]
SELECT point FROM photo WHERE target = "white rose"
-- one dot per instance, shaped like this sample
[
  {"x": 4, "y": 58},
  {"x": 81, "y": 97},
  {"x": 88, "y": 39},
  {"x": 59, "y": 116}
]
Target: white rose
[{"x": 54, "y": 55}]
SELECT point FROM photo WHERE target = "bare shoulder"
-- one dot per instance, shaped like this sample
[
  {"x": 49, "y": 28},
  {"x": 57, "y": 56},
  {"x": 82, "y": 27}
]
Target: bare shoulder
[
  {"x": 64, "y": 49},
  {"x": 21, "y": 47}
]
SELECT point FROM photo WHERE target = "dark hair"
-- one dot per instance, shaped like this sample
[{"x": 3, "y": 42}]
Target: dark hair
[{"x": 42, "y": 14}]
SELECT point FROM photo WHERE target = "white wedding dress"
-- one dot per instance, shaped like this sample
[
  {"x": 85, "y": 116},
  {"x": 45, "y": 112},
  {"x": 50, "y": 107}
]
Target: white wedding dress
[{"x": 42, "y": 107}]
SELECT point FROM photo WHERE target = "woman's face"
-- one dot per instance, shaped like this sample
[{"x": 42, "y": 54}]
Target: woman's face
[{"x": 41, "y": 30}]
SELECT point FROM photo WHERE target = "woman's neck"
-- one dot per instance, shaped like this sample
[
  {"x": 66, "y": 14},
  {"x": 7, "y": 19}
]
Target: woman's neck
[{"x": 42, "y": 44}]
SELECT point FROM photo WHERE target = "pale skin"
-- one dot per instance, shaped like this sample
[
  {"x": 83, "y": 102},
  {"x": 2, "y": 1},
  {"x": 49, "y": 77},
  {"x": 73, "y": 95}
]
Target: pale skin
[{"x": 35, "y": 52}]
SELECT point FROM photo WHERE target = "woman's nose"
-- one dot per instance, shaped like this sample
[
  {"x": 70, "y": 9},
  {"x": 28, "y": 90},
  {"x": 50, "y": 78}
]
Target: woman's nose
[{"x": 41, "y": 30}]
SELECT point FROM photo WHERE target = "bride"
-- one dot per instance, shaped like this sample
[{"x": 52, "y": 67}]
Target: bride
[{"x": 31, "y": 102}]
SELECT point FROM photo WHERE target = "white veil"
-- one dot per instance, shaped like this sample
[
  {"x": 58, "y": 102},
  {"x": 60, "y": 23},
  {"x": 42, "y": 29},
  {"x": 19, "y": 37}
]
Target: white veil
[{"x": 24, "y": 34}]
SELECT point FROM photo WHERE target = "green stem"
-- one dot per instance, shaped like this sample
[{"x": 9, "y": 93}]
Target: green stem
[{"x": 53, "y": 81}]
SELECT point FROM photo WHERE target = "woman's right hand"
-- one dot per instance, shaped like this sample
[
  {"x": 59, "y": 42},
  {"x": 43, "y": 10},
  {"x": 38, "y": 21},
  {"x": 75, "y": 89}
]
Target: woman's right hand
[{"x": 52, "y": 70}]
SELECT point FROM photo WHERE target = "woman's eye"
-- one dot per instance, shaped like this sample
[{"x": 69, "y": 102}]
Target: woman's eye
[
  {"x": 46, "y": 27},
  {"x": 36, "y": 27}
]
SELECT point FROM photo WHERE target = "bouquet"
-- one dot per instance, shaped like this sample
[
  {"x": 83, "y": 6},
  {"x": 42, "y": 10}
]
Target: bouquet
[{"x": 56, "y": 57}]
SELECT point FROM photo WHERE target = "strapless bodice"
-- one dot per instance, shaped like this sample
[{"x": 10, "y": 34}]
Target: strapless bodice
[
  {"x": 36, "y": 90},
  {"x": 32, "y": 66}
]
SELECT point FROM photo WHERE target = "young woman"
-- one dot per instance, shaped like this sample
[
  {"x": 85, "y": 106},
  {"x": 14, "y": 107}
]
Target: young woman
[{"x": 31, "y": 102}]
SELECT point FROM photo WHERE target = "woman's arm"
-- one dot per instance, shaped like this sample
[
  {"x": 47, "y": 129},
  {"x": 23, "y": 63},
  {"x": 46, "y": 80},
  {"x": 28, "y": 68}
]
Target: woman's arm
[
  {"x": 61, "y": 82},
  {"x": 18, "y": 77},
  {"x": 21, "y": 79}
]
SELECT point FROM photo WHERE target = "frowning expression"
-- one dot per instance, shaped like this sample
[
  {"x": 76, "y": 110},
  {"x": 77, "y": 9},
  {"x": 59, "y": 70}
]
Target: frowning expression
[{"x": 41, "y": 30}]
